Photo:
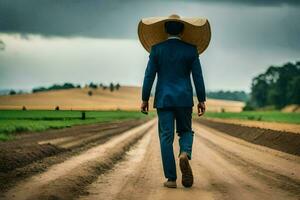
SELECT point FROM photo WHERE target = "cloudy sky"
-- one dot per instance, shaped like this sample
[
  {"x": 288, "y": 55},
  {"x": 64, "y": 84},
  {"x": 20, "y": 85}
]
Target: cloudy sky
[{"x": 54, "y": 41}]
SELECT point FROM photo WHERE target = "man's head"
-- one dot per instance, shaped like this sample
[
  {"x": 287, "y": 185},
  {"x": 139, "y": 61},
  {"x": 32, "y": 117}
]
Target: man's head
[{"x": 174, "y": 28}]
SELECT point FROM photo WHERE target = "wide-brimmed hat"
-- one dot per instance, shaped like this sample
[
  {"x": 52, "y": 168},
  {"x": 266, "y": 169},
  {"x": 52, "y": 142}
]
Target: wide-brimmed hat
[{"x": 196, "y": 31}]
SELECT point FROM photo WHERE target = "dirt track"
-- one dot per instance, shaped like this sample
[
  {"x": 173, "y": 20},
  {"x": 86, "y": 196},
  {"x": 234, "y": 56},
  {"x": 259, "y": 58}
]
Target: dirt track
[
  {"x": 31, "y": 153},
  {"x": 225, "y": 167}
]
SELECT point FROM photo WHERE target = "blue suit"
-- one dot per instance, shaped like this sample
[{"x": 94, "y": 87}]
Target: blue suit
[{"x": 173, "y": 61}]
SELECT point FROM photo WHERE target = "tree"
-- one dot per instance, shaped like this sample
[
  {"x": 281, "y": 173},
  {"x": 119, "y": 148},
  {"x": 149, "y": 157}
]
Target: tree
[
  {"x": 278, "y": 86},
  {"x": 54, "y": 87},
  {"x": 293, "y": 93},
  {"x": 111, "y": 87},
  {"x": 118, "y": 86},
  {"x": 93, "y": 86},
  {"x": 258, "y": 91},
  {"x": 228, "y": 95},
  {"x": 12, "y": 92}
]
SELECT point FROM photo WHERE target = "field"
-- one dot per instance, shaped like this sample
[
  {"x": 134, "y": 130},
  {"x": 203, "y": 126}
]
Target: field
[
  {"x": 268, "y": 116},
  {"x": 17, "y": 121},
  {"x": 40, "y": 114},
  {"x": 126, "y": 98},
  {"x": 41, "y": 159}
]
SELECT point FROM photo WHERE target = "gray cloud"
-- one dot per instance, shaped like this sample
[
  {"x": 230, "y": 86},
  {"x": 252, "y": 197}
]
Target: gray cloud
[
  {"x": 234, "y": 22},
  {"x": 94, "y": 18},
  {"x": 247, "y": 36},
  {"x": 256, "y": 2},
  {"x": 2, "y": 45}
]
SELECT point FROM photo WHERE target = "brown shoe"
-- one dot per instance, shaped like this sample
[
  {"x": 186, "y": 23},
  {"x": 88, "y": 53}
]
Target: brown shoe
[
  {"x": 170, "y": 184},
  {"x": 186, "y": 170}
]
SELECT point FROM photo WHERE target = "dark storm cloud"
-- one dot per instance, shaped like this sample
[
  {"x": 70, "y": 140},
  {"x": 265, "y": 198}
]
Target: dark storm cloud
[
  {"x": 63, "y": 18},
  {"x": 256, "y": 2},
  {"x": 2, "y": 45},
  {"x": 119, "y": 18},
  {"x": 94, "y": 18}
]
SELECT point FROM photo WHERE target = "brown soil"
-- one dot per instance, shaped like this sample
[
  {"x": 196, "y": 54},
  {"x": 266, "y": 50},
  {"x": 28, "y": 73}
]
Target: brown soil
[
  {"x": 68, "y": 179},
  {"x": 224, "y": 167},
  {"x": 276, "y": 126},
  {"x": 283, "y": 141},
  {"x": 35, "y": 152}
]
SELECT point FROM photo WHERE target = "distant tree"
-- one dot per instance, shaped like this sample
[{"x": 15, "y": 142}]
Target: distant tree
[
  {"x": 93, "y": 86},
  {"x": 78, "y": 86},
  {"x": 249, "y": 106},
  {"x": 54, "y": 87},
  {"x": 61, "y": 87},
  {"x": 228, "y": 95},
  {"x": 12, "y": 92},
  {"x": 39, "y": 89},
  {"x": 111, "y": 87},
  {"x": 24, "y": 108},
  {"x": 118, "y": 86},
  {"x": 293, "y": 91},
  {"x": 90, "y": 93},
  {"x": 57, "y": 108},
  {"x": 258, "y": 91},
  {"x": 278, "y": 86}
]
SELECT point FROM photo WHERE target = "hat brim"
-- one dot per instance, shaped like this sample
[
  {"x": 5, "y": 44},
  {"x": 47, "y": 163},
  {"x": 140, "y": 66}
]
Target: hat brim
[{"x": 196, "y": 31}]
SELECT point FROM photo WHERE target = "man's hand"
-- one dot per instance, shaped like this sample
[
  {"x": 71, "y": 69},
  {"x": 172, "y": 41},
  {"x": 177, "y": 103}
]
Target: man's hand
[
  {"x": 201, "y": 108},
  {"x": 145, "y": 107}
]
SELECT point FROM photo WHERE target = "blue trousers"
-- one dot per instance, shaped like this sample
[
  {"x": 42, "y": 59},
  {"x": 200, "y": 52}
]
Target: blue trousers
[{"x": 166, "y": 127}]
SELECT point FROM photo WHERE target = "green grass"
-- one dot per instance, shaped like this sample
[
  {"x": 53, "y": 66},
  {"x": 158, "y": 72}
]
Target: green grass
[
  {"x": 269, "y": 116},
  {"x": 13, "y": 122}
]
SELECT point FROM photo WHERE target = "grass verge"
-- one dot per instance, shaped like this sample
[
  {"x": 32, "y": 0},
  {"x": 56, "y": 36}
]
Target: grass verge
[
  {"x": 269, "y": 116},
  {"x": 13, "y": 122}
]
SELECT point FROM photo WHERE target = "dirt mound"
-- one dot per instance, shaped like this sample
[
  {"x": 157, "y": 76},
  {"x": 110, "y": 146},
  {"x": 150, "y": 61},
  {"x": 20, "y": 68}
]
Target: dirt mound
[
  {"x": 283, "y": 141},
  {"x": 67, "y": 179},
  {"x": 34, "y": 153},
  {"x": 276, "y": 126},
  {"x": 31, "y": 147},
  {"x": 23, "y": 155},
  {"x": 291, "y": 108}
]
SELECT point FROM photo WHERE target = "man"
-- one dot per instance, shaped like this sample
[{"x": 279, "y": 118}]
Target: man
[{"x": 174, "y": 60}]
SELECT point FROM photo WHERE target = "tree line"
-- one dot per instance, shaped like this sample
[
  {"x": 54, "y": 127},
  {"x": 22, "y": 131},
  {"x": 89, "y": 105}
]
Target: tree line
[
  {"x": 278, "y": 86},
  {"x": 228, "y": 95},
  {"x": 55, "y": 87},
  {"x": 65, "y": 86}
]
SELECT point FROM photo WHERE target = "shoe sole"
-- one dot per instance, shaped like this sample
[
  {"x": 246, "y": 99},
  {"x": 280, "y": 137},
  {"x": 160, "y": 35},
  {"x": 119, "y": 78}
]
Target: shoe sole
[
  {"x": 173, "y": 186},
  {"x": 186, "y": 170}
]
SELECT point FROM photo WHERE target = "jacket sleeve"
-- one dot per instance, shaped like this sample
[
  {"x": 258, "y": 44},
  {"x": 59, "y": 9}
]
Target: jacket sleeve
[
  {"x": 198, "y": 78},
  {"x": 150, "y": 74}
]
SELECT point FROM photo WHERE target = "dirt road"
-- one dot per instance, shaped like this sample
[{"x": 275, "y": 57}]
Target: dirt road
[{"x": 224, "y": 168}]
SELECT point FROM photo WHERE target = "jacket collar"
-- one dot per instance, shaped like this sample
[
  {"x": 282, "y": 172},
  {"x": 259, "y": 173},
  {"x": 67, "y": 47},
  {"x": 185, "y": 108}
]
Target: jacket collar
[{"x": 174, "y": 37}]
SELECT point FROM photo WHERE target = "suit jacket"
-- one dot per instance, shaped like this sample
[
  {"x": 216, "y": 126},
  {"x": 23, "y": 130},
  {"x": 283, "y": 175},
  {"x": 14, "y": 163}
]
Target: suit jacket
[{"x": 173, "y": 61}]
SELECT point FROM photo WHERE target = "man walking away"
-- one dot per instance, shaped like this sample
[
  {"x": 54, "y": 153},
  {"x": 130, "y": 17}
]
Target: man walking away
[{"x": 174, "y": 46}]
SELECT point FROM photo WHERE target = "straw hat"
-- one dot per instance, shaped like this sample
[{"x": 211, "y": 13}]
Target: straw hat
[{"x": 196, "y": 31}]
